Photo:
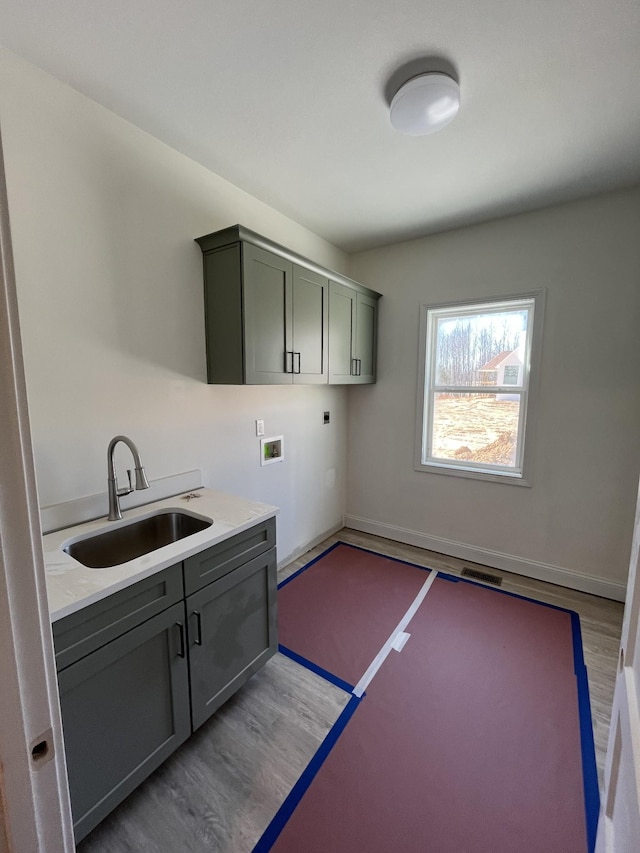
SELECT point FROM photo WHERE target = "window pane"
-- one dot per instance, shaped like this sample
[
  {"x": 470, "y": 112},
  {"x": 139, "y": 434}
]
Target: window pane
[
  {"x": 475, "y": 349},
  {"x": 481, "y": 428},
  {"x": 511, "y": 374}
]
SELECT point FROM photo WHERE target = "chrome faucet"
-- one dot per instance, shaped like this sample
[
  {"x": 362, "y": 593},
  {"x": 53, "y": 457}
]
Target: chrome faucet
[{"x": 112, "y": 483}]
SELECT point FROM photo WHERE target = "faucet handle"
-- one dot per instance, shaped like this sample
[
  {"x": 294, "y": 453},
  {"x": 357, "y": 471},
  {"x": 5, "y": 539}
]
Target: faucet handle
[{"x": 126, "y": 490}]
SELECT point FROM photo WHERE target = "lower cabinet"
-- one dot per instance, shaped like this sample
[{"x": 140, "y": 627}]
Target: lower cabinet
[
  {"x": 125, "y": 708},
  {"x": 232, "y": 633},
  {"x": 143, "y": 668}
]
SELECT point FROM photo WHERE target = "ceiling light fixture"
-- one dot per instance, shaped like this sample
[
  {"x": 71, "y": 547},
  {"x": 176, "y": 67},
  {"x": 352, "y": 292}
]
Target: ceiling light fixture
[{"x": 425, "y": 103}]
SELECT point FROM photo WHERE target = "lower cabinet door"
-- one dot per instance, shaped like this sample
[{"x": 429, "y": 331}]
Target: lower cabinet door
[
  {"x": 232, "y": 633},
  {"x": 125, "y": 709}
]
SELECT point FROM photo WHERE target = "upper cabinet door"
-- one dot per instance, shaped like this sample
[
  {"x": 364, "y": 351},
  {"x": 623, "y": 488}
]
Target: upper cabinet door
[
  {"x": 310, "y": 327},
  {"x": 342, "y": 306},
  {"x": 268, "y": 317},
  {"x": 353, "y": 318},
  {"x": 366, "y": 326}
]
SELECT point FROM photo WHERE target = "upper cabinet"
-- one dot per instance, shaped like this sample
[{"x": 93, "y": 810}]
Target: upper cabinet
[
  {"x": 286, "y": 310},
  {"x": 353, "y": 319},
  {"x": 269, "y": 316}
]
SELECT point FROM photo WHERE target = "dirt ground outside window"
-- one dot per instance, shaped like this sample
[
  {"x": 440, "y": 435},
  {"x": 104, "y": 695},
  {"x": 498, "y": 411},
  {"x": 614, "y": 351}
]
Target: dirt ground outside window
[{"x": 475, "y": 428}]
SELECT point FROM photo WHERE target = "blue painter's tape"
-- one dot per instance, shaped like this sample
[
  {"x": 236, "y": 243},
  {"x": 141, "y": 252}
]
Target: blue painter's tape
[
  {"x": 441, "y": 575},
  {"x": 308, "y": 565},
  {"x": 576, "y": 634},
  {"x": 516, "y": 595},
  {"x": 589, "y": 768},
  {"x": 271, "y": 833},
  {"x": 450, "y": 578},
  {"x": 355, "y": 548},
  {"x": 323, "y": 673}
]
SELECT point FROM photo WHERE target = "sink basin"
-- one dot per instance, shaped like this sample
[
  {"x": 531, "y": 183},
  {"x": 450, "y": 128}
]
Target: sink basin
[{"x": 113, "y": 547}]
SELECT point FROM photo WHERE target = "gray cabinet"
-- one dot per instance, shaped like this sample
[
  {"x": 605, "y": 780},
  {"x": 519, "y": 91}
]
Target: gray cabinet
[
  {"x": 285, "y": 320},
  {"x": 353, "y": 319},
  {"x": 143, "y": 668},
  {"x": 92, "y": 627},
  {"x": 231, "y": 591},
  {"x": 232, "y": 633},
  {"x": 266, "y": 318},
  {"x": 215, "y": 562},
  {"x": 267, "y": 313},
  {"x": 310, "y": 326},
  {"x": 125, "y": 703},
  {"x": 267, "y": 326}
]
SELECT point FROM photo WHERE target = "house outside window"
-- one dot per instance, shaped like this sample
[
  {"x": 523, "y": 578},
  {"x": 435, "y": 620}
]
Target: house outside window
[{"x": 474, "y": 387}]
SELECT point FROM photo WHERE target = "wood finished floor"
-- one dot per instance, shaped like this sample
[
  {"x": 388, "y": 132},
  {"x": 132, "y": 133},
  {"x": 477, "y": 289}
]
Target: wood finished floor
[{"x": 219, "y": 791}]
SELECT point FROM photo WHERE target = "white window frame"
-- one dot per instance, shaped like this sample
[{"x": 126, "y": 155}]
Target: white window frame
[{"x": 520, "y": 473}]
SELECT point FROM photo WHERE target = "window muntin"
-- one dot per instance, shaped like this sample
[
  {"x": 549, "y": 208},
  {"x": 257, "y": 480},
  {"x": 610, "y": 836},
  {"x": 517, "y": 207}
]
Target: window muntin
[{"x": 475, "y": 387}]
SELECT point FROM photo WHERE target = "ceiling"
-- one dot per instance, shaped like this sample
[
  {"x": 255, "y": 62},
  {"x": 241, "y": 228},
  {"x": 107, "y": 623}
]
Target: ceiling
[{"x": 288, "y": 99}]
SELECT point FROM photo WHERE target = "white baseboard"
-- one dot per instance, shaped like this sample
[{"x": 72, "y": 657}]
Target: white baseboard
[{"x": 495, "y": 559}]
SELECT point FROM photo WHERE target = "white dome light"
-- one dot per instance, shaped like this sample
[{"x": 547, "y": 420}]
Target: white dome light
[{"x": 424, "y": 104}]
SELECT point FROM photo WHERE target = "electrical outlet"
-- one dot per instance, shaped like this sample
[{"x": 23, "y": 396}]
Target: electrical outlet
[{"x": 259, "y": 426}]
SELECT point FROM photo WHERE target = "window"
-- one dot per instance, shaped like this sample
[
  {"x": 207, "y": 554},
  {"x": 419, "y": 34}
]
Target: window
[
  {"x": 474, "y": 387},
  {"x": 511, "y": 374}
]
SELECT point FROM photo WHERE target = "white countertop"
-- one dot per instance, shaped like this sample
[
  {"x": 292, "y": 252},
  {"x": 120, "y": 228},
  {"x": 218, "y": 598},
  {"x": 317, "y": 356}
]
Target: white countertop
[{"x": 72, "y": 586}]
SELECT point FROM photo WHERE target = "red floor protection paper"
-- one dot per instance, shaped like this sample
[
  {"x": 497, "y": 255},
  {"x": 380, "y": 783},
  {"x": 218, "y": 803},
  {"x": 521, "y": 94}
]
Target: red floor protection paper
[
  {"x": 340, "y": 611},
  {"x": 467, "y": 741}
]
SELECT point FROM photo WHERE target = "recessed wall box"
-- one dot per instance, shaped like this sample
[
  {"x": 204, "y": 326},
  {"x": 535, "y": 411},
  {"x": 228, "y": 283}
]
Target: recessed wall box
[{"x": 271, "y": 450}]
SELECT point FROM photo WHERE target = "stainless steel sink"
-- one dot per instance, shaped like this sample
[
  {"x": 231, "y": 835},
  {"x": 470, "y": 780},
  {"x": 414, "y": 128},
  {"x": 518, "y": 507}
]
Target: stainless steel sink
[{"x": 113, "y": 547}]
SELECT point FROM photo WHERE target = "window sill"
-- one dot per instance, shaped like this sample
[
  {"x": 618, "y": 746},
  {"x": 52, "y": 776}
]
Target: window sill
[{"x": 507, "y": 479}]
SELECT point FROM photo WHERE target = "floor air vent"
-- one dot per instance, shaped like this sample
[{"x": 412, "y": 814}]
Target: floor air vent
[{"x": 496, "y": 580}]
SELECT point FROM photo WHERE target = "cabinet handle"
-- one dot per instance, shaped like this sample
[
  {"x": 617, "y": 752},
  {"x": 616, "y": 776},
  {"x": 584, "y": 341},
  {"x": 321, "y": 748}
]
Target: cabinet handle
[
  {"x": 288, "y": 361},
  {"x": 180, "y": 627},
  {"x": 359, "y": 360},
  {"x": 299, "y": 360},
  {"x": 354, "y": 366},
  {"x": 198, "y": 638}
]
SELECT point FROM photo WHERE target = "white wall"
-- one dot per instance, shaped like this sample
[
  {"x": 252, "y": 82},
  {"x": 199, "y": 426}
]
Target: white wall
[
  {"x": 578, "y": 515},
  {"x": 109, "y": 282},
  {"x": 110, "y": 292}
]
